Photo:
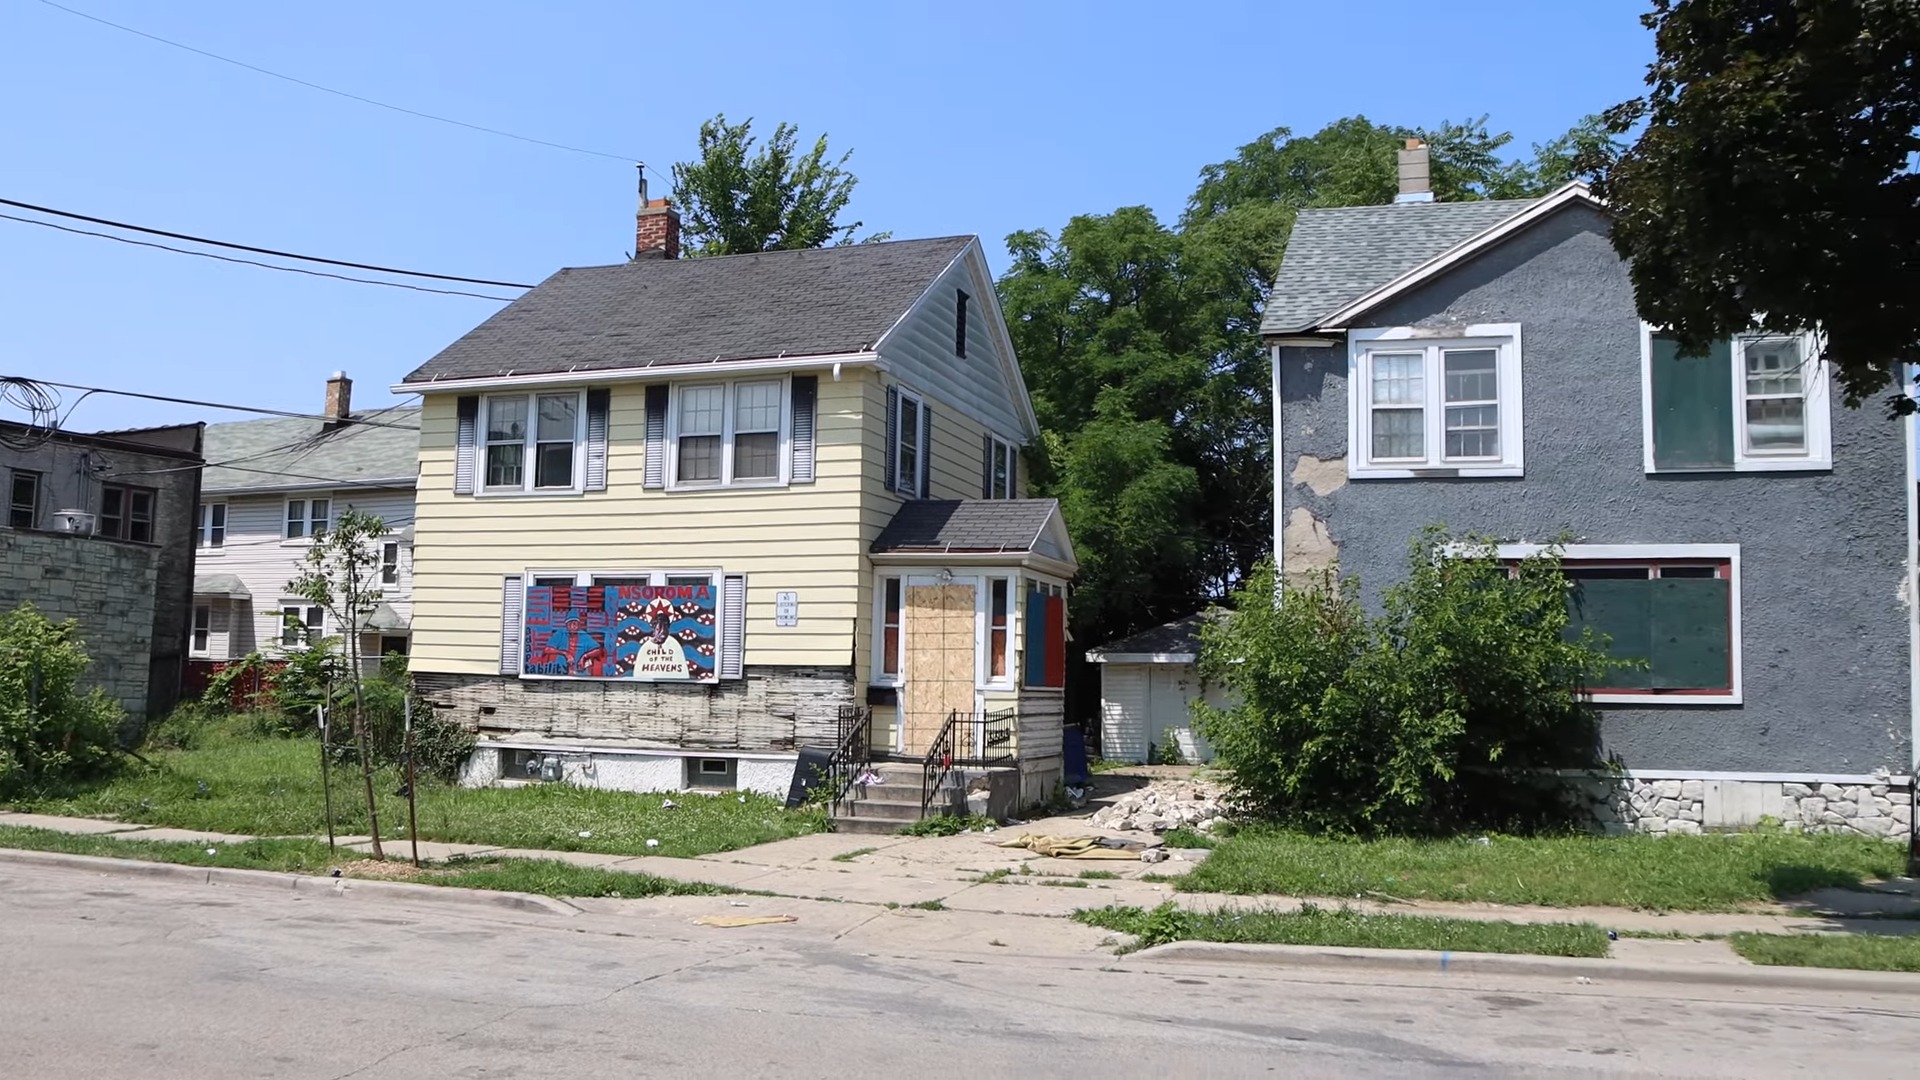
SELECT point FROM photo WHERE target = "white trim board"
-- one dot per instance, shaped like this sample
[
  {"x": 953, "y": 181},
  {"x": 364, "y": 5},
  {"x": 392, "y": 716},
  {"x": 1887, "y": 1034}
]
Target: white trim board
[
  {"x": 630, "y": 751},
  {"x": 656, "y": 373},
  {"x": 1818, "y": 414},
  {"x": 1142, "y": 658},
  {"x": 1912, "y": 445},
  {"x": 1852, "y": 779}
]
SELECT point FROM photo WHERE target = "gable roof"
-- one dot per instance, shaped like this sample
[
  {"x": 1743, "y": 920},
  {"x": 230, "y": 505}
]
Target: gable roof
[
  {"x": 1335, "y": 256},
  {"x": 966, "y": 526},
  {"x": 1177, "y": 642},
  {"x": 282, "y": 454},
  {"x": 664, "y": 312}
]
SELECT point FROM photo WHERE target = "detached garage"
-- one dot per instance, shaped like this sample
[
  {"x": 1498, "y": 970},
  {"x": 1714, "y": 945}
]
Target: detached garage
[{"x": 1148, "y": 684}]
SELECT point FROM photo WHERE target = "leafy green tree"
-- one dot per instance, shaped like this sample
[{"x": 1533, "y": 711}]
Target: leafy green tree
[
  {"x": 1427, "y": 717},
  {"x": 1140, "y": 344},
  {"x": 342, "y": 575},
  {"x": 1772, "y": 181},
  {"x": 744, "y": 196}
]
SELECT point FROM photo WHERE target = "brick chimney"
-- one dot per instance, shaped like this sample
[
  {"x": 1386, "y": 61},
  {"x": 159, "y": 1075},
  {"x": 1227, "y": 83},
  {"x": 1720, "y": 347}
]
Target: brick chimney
[
  {"x": 1416, "y": 174},
  {"x": 339, "y": 399},
  {"x": 656, "y": 233}
]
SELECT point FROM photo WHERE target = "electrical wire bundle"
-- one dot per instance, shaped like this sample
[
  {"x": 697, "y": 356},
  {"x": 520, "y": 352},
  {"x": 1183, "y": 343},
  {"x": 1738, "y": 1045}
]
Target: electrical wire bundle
[{"x": 39, "y": 402}]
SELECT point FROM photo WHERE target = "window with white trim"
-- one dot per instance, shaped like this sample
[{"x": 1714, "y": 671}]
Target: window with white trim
[
  {"x": 1431, "y": 405},
  {"x": 1753, "y": 403},
  {"x": 202, "y": 629},
  {"x": 729, "y": 433},
  {"x": 390, "y": 564},
  {"x": 1002, "y": 470},
  {"x": 301, "y": 624},
  {"x": 890, "y": 630},
  {"x": 213, "y": 525},
  {"x": 533, "y": 441},
  {"x": 1671, "y": 610},
  {"x": 308, "y": 518},
  {"x": 999, "y": 668},
  {"x": 907, "y": 446}
]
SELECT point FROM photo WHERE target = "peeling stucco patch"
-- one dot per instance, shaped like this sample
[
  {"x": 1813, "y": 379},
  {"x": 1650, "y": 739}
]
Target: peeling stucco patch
[
  {"x": 1307, "y": 548},
  {"x": 1324, "y": 475}
]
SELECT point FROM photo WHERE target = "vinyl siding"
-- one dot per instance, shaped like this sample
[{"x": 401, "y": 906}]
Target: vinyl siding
[
  {"x": 920, "y": 352},
  {"x": 1123, "y": 712},
  {"x": 804, "y": 538},
  {"x": 256, "y": 553}
]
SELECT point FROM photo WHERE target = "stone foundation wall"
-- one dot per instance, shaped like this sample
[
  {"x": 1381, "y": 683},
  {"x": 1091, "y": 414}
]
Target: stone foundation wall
[
  {"x": 1621, "y": 804},
  {"x": 105, "y": 586}
]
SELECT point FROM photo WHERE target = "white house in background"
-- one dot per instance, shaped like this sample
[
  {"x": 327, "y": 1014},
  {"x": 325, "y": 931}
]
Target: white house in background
[
  {"x": 1148, "y": 684},
  {"x": 270, "y": 487}
]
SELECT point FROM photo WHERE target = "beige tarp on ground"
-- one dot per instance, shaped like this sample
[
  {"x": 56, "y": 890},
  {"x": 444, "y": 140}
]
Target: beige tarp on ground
[{"x": 1069, "y": 847}]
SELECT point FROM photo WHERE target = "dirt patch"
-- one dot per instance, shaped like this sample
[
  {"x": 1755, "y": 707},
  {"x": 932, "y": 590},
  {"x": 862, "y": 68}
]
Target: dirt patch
[{"x": 387, "y": 870}]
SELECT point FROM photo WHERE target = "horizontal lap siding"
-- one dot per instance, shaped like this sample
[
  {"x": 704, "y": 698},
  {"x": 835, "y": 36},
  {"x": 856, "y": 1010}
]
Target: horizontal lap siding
[{"x": 806, "y": 538}]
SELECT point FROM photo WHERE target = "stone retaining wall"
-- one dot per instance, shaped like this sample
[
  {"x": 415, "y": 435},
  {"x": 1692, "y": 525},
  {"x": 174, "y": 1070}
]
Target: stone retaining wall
[{"x": 1626, "y": 804}]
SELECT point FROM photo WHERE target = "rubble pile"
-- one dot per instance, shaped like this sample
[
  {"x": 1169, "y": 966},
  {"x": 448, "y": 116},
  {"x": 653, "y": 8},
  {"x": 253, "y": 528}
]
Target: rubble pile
[{"x": 1161, "y": 807}]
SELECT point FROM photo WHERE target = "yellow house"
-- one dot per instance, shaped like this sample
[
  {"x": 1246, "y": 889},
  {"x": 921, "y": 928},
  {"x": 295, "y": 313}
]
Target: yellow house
[{"x": 682, "y": 522}]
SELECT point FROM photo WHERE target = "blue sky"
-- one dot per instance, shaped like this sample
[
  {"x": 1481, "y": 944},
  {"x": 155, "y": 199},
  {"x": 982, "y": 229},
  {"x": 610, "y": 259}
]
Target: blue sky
[{"x": 977, "y": 117}]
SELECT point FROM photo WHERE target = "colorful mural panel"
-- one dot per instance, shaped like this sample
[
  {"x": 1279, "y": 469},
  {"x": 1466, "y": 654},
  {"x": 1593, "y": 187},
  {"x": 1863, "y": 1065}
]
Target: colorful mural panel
[{"x": 653, "y": 633}]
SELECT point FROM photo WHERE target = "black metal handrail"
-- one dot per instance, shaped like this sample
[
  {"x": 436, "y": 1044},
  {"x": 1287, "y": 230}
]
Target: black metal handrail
[
  {"x": 938, "y": 762},
  {"x": 853, "y": 753}
]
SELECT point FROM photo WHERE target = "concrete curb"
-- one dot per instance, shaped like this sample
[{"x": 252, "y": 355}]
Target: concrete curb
[
  {"x": 301, "y": 883},
  {"x": 1426, "y": 962}
]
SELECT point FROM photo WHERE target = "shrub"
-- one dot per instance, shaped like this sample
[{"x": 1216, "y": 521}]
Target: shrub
[
  {"x": 1430, "y": 716},
  {"x": 440, "y": 745},
  {"x": 52, "y": 732}
]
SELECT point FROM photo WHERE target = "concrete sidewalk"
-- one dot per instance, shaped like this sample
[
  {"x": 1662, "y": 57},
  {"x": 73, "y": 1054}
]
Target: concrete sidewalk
[{"x": 970, "y": 873}]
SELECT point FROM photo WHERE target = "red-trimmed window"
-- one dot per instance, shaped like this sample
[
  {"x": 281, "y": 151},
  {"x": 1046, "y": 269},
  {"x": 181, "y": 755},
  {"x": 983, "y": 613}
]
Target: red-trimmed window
[{"x": 1675, "y": 616}]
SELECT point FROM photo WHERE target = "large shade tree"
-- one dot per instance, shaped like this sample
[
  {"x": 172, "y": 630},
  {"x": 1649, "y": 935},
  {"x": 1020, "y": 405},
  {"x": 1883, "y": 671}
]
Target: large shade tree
[
  {"x": 1771, "y": 183},
  {"x": 743, "y": 195}
]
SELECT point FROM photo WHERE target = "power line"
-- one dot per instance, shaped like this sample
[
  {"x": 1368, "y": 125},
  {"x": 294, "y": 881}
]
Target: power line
[
  {"x": 340, "y": 93},
  {"x": 109, "y": 222},
  {"x": 227, "y": 406}
]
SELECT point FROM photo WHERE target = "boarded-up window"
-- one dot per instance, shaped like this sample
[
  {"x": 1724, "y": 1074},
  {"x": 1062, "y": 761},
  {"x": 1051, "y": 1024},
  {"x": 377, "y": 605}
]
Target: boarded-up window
[
  {"x": 1045, "y": 638},
  {"x": 1673, "y": 620}
]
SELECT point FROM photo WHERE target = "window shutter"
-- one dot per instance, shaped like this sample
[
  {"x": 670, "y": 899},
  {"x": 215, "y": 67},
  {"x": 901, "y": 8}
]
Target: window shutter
[
  {"x": 925, "y": 490},
  {"x": 890, "y": 461},
  {"x": 1692, "y": 624},
  {"x": 1056, "y": 641},
  {"x": 733, "y": 627},
  {"x": 986, "y": 466},
  {"x": 1035, "y": 636},
  {"x": 806, "y": 388},
  {"x": 466, "y": 438},
  {"x": 598, "y": 404},
  {"x": 512, "y": 602},
  {"x": 656, "y": 437},
  {"x": 1692, "y": 406}
]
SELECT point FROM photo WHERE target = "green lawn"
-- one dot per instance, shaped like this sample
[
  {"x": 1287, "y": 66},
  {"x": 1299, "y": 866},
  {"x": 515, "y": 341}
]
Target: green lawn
[
  {"x": 262, "y": 786},
  {"x": 1676, "y": 873},
  {"x": 1865, "y": 952},
  {"x": 1348, "y": 929},
  {"x": 547, "y": 877}
]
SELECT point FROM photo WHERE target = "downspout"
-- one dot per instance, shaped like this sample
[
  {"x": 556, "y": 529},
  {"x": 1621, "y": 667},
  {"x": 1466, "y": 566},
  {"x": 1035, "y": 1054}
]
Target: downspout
[{"x": 1279, "y": 484}]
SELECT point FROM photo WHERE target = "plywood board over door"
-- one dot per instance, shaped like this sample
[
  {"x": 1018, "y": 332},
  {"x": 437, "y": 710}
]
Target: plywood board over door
[{"x": 939, "y": 660}]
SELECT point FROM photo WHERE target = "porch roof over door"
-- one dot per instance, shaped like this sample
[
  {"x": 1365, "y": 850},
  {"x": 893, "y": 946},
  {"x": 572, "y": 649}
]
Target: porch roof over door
[{"x": 1010, "y": 532}]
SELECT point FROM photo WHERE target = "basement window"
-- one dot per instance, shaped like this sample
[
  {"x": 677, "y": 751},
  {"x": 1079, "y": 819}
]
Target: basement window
[{"x": 712, "y": 773}]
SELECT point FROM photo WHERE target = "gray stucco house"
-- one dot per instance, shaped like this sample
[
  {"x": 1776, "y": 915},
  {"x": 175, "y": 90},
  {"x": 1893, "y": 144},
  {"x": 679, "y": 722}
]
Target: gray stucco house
[{"x": 1734, "y": 523}]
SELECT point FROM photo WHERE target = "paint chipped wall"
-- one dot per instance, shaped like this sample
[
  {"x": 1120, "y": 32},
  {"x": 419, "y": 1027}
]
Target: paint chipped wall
[{"x": 1825, "y": 633}]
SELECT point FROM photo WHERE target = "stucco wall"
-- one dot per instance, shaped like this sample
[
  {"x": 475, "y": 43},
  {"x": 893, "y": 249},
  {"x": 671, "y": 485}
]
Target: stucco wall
[
  {"x": 108, "y": 587},
  {"x": 1825, "y": 628}
]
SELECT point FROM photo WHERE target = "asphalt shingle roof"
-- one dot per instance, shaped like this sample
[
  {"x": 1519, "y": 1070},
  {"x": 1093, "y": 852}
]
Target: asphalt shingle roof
[
  {"x": 1180, "y": 637},
  {"x": 966, "y": 525},
  {"x": 655, "y": 312},
  {"x": 1336, "y": 256},
  {"x": 290, "y": 452}
]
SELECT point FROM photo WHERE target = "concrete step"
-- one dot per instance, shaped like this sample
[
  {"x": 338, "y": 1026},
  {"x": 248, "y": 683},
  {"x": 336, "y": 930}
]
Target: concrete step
[
  {"x": 888, "y": 793},
  {"x": 892, "y": 811},
  {"x": 866, "y": 826}
]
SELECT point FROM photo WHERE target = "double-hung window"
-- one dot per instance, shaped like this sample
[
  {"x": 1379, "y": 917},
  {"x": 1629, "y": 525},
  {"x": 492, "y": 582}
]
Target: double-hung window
[
  {"x": 999, "y": 616},
  {"x": 301, "y": 624},
  {"x": 729, "y": 433},
  {"x": 202, "y": 629},
  {"x": 1422, "y": 404},
  {"x": 908, "y": 445},
  {"x": 213, "y": 525},
  {"x": 308, "y": 519},
  {"x": 126, "y": 513},
  {"x": 533, "y": 442},
  {"x": 389, "y": 564},
  {"x": 23, "y": 499},
  {"x": 1000, "y": 472},
  {"x": 1670, "y": 611},
  {"x": 890, "y": 627},
  {"x": 1752, "y": 403}
]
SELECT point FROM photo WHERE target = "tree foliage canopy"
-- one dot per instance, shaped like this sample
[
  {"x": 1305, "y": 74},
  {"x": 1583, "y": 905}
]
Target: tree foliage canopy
[
  {"x": 1772, "y": 182},
  {"x": 1140, "y": 344},
  {"x": 744, "y": 196}
]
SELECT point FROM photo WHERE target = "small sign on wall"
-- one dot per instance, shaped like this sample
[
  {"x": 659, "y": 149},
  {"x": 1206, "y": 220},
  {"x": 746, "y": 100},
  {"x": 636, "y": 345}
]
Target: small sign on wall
[{"x": 786, "y": 609}]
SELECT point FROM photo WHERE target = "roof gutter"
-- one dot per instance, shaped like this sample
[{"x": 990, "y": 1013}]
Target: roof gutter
[
  {"x": 1010, "y": 557},
  {"x": 647, "y": 373}
]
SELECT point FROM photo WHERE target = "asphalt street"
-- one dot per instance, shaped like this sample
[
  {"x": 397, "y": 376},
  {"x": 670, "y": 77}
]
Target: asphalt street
[{"x": 104, "y": 976}]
